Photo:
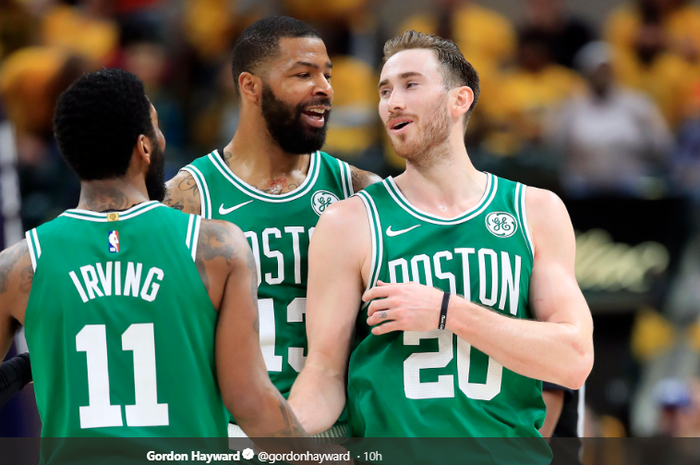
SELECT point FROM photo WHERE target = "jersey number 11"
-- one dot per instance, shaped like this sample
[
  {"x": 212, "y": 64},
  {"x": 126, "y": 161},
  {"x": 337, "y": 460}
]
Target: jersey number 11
[{"x": 100, "y": 413}]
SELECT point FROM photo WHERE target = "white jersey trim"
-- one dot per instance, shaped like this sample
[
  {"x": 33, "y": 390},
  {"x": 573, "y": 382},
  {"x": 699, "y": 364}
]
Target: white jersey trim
[
  {"x": 30, "y": 246},
  {"x": 99, "y": 217},
  {"x": 484, "y": 202},
  {"x": 244, "y": 187},
  {"x": 377, "y": 239},
  {"x": 343, "y": 179},
  {"x": 204, "y": 196},
  {"x": 195, "y": 237},
  {"x": 526, "y": 226}
]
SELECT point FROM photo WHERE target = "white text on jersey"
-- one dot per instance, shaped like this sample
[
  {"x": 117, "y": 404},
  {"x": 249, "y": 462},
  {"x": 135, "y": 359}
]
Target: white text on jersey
[
  {"x": 106, "y": 280},
  {"x": 274, "y": 236},
  {"x": 424, "y": 269}
]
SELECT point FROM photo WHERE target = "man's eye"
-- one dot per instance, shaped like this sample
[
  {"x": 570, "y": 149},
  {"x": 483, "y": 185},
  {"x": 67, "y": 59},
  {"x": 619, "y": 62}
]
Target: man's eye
[{"x": 303, "y": 75}]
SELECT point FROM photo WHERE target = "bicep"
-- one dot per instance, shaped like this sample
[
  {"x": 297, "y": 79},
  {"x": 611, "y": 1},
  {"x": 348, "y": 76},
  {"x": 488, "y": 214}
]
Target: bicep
[
  {"x": 16, "y": 276},
  {"x": 554, "y": 292},
  {"x": 334, "y": 289},
  {"x": 182, "y": 193}
]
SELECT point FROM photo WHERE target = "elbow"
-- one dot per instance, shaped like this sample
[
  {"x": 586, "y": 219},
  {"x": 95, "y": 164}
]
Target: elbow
[{"x": 576, "y": 372}]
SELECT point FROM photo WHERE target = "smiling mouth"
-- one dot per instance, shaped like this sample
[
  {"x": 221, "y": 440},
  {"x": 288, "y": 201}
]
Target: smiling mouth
[
  {"x": 315, "y": 113},
  {"x": 397, "y": 126}
]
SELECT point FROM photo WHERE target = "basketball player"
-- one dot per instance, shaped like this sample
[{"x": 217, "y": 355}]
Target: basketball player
[
  {"x": 272, "y": 181},
  {"x": 467, "y": 279},
  {"x": 122, "y": 298}
]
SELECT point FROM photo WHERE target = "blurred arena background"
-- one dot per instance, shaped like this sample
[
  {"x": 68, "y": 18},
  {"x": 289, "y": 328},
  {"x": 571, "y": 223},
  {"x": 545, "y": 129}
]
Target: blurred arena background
[{"x": 598, "y": 100}]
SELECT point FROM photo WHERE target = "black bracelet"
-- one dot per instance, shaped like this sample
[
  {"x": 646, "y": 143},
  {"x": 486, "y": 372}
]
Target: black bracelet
[{"x": 443, "y": 310}]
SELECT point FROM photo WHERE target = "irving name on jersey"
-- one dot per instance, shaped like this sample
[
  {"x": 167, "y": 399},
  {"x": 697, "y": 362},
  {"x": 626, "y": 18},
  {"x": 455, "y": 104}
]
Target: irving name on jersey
[{"x": 117, "y": 279}]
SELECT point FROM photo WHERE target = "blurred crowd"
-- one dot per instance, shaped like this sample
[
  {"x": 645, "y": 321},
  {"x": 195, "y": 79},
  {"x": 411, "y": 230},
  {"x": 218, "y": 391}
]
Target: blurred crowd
[
  {"x": 609, "y": 108},
  {"x": 588, "y": 110}
]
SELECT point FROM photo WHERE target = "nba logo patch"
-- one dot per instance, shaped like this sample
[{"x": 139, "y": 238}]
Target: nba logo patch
[{"x": 113, "y": 240}]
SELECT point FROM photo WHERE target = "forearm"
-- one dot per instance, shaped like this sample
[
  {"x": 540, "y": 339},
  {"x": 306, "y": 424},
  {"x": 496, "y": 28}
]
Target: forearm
[
  {"x": 555, "y": 352},
  {"x": 554, "y": 400},
  {"x": 14, "y": 375},
  {"x": 268, "y": 416},
  {"x": 317, "y": 398}
]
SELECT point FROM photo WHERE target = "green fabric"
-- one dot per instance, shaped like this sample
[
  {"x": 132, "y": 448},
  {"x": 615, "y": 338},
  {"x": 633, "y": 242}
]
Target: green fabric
[
  {"x": 434, "y": 384},
  {"x": 278, "y": 228},
  {"x": 139, "y": 318}
]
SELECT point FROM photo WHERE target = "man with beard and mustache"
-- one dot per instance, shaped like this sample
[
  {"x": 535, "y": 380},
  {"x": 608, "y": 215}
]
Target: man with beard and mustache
[
  {"x": 456, "y": 288},
  {"x": 121, "y": 298},
  {"x": 272, "y": 181}
]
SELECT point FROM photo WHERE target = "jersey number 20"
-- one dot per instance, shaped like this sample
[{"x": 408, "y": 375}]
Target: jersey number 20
[
  {"x": 100, "y": 413},
  {"x": 444, "y": 386}
]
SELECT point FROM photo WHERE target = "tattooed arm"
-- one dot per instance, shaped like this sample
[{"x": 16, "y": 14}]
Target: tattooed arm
[
  {"x": 228, "y": 270},
  {"x": 182, "y": 193},
  {"x": 362, "y": 179},
  {"x": 16, "y": 275}
]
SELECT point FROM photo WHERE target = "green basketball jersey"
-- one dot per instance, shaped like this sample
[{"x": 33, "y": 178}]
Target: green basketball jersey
[
  {"x": 121, "y": 328},
  {"x": 434, "y": 384},
  {"x": 278, "y": 228}
]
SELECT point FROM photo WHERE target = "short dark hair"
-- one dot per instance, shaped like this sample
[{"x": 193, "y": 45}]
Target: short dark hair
[
  {"x": 260, "y": 41},
  {"x": 457, "y": 71},
  {"x": 98, "y": 120}
]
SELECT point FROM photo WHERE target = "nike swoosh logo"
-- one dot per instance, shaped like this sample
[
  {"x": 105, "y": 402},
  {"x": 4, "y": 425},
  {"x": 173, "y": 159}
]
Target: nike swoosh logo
[
  {"x": 226, "y": 211},
  {"x": 391, "y": 233}
]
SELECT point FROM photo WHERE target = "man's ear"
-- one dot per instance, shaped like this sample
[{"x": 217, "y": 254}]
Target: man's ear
[
  {"x": 463, "y": 100},
  {"x": 250, "y": 86},
  {"x": 143, "y": 149}
]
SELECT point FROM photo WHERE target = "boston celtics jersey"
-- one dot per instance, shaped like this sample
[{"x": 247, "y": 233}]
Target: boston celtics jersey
[
  {"x": 121, "y": 328},
  {"x": 434, "y": 384},
  {"x": 278, "y": 228}
]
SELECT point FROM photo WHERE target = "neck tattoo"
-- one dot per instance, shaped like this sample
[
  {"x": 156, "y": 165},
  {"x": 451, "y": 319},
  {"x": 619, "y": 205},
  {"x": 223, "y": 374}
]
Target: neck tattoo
[{"x": 275, "y": 186}]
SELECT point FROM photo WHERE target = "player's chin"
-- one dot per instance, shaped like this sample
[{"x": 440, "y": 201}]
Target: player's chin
[{"x": 314, "y": 131}]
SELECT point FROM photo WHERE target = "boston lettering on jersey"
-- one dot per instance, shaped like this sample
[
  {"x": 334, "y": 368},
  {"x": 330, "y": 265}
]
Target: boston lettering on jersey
[
  {"x": 275, "y": 244},
  {"x": 278, "y": 228},
  {"x": 486, "y": 262},
  {"x": 434, "y": 383}
]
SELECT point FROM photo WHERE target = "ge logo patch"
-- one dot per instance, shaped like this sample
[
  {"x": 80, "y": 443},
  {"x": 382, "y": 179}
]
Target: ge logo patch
[
  {"x": 501, "y": 224},
  {"x": 322, "y": 200}
]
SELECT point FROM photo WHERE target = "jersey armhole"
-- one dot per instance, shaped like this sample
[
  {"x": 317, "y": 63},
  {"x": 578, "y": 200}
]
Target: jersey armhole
[
  {"x": 348, "y": 171},
  {"x": 346, "y": 179},
  {"x": 375, "y": 229},
  {"x": 34, "y": 247},
  {"x": 204, "y": 196},
  {"x": 192, "y": 240},
  {"x": 521, "y": 211}
]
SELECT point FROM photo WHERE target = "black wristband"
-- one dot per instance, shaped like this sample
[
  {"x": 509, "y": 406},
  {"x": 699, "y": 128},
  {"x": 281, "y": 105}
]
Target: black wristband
[{"x": 443, "y": 310}]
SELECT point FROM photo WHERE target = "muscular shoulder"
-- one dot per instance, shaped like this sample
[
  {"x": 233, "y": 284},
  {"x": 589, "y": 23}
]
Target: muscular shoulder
[
  {"x": 343, "y": 230},
  {"x": 221, "y": 240},
  {"x": 222, "y": 249},
  {"x": 548, "y": 220},
  {"x": 182, "y": 193},
  {"x": 362, "y": 178},
  {"x": 16, "y": 277},
  {"x": 347, "y": 214}
]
